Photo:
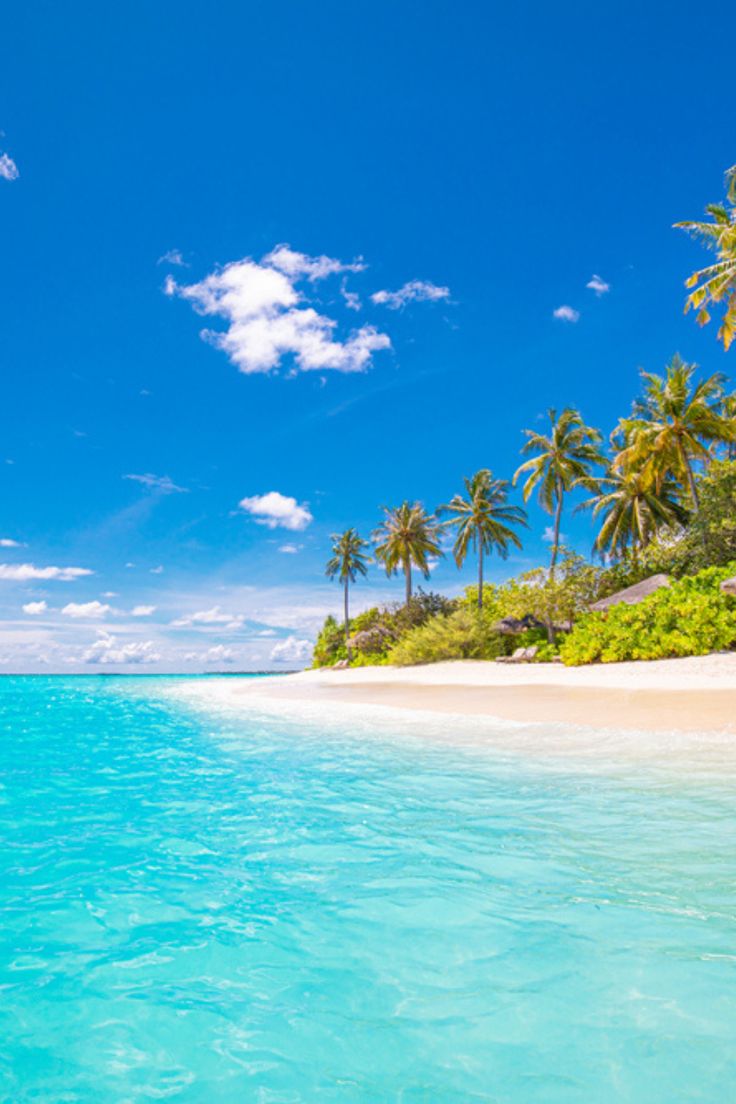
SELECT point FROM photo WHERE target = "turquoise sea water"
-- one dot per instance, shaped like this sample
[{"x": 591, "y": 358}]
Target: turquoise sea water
[{"x": 202, "y": 908}]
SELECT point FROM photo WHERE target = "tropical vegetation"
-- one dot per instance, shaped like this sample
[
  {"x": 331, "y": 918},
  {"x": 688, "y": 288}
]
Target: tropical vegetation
[
  {"x": 716, "y": 283},
  {"x": 661, "y": 495}
]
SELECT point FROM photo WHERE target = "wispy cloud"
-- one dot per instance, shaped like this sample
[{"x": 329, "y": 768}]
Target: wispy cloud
[
  {"x": 161, "y": 483},
  {"x": 292, "y": 650},
  {"x": 142, "y": 611},
  {"x": 598, "y": 285},
  {"x": 173, "y": 257},
  {"x": 8, "y": 168},
  {"x": 275, "y": 510},
  {"x": 219, "y": 653},
  {"x": 295, "y": 265},
  {"x": 268, "y": 318},
  {"x": 290, "y": 549},
  {"x": 8, "y": 542},
  {"x": 23, "y": 573},
  {"x": 418, "y": 291},
  {"x": 213, "y": 616},
  {"x": 566, "y": 313}
]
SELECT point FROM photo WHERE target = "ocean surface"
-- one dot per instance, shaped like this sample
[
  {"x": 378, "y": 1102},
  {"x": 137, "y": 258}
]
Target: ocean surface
[{"x": 201, "y": 907}]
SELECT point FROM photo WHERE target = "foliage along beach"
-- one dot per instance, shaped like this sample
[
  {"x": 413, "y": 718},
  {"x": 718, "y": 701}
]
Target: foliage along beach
[{"x": 661, "y": 489}]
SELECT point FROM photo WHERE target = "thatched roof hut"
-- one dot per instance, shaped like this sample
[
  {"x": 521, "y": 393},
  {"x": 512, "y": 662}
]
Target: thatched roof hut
[
  {"x": 728, "y": 586},
  {"x": 632, "y": 595},
  {"x": 514, "y": 626}
]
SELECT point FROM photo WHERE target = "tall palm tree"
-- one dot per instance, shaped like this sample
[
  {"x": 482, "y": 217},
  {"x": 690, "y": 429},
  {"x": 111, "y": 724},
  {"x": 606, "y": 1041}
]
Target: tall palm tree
[
  {"x": 717, "y": 282},
  {"x": 673, "y": 425},
  {"x": 633, "y": 508},
  {"x": 564, "y": 460},
  {"x": 728, "y": 409},
  {"x": 408, "y": 535},
  {"x": 348, "y": 560},
  {"x": 483, "y": 520}
]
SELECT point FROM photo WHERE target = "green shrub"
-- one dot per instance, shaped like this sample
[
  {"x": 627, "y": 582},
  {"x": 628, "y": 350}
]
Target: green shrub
[
  {"x": 692, "y": 617},
  {"x": 330, "y": 645},
  {"x": 375, "y": 631},
  {"x": 462, "y": 634}
]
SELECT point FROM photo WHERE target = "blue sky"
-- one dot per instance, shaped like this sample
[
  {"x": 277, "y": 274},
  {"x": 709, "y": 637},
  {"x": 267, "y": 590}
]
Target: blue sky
[{"x": 489, "y": 162}]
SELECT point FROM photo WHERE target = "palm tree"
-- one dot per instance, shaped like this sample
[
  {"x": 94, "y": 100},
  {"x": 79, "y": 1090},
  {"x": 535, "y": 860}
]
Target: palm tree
[
  {"x": 717, "y": 282},
  {"x": 408, "y": 535},
  {"x": 348, "y": 560},
  {"x": 564, "y": 461},
  {"x": 483, "y": 520},
  {"x": 673, "y": 425},
  {"x": 633, "y": 509},
  {"x": 728, "y": 409}
]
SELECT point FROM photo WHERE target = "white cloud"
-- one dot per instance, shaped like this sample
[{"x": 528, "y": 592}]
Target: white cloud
[
  {"x": 290, "y": 549},
  {"x": 22, "y": 573},
  {"x": 598, "y": 285},
  {"x": 154, "y": 570},
  {"x": 142, "y": 611},
  {"x": 107, "y": 650},
  {"x": 219, "y": 654},
  {"x": 352, "y": 299},
  {"x": 33, "y": 609},
  {"x": 419, "y": 291},
  {"x": 549, "y": 535},
  {"x": 292, "y": 650},
  {"x": 173, "y": 257},
  {"x": 110, "y": 594},
  {"x": 268, "y": 318},
  {"x": 566, "y": 313},
  {"x": 8, "y": 542},
  {"x": 294, "y": 264},
  {"x": 160, "y": 483},
  {"x": 213, "y": 616},
  {"x": 276, "y": 510},
  {"x": 8, "y": 168},
  {"x": 86, "y": 610}
]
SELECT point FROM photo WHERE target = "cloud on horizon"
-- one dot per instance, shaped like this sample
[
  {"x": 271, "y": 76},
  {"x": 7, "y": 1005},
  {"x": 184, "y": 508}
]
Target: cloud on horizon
[{"x": 24, "y": 573}]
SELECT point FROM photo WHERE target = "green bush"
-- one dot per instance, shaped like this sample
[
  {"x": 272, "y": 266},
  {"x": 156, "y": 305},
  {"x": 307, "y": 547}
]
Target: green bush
[
  {"x": 692, "y": 617},
  {"x": 375, "y": 631},
  {"x": 463, "y": 634}
]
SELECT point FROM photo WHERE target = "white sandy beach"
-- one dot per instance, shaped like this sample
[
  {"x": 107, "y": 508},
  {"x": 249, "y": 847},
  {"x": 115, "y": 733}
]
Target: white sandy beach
[{"x": 696, "y": 694}]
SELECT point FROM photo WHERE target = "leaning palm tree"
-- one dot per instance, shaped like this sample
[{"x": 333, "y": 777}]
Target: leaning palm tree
[
  {"x": 633, "y": 508},
  {"x": 673, "y": 425},
  {"x": 565, "y": 460},
  {"x": 348, "y": 560},
  {"x": 483, "y": 520},
  {"x": 407, "y": 536},
  {"x": 717, "y": 282}
]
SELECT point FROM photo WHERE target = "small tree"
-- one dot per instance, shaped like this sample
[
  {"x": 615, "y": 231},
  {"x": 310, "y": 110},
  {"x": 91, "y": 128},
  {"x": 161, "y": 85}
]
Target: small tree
[{"x": 348, "y": 560}]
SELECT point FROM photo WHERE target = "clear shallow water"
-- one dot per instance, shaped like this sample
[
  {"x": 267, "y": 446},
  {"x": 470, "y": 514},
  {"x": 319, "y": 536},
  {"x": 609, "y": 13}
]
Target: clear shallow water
[{"x": 203, "y": 909}]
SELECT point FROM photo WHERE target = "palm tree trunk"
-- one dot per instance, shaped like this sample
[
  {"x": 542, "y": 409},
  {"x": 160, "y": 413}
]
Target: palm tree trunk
[
  {"x": 556, "y": 534},
  {"x": 480, "y": 577},
  {"x": 347, "y": 622},
  {"x": 690, "y": 478},
  {"x": 407, "y": 577}
]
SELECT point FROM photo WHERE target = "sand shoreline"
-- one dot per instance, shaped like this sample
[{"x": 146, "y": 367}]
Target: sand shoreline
[{"x": 692, "y": 695}]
